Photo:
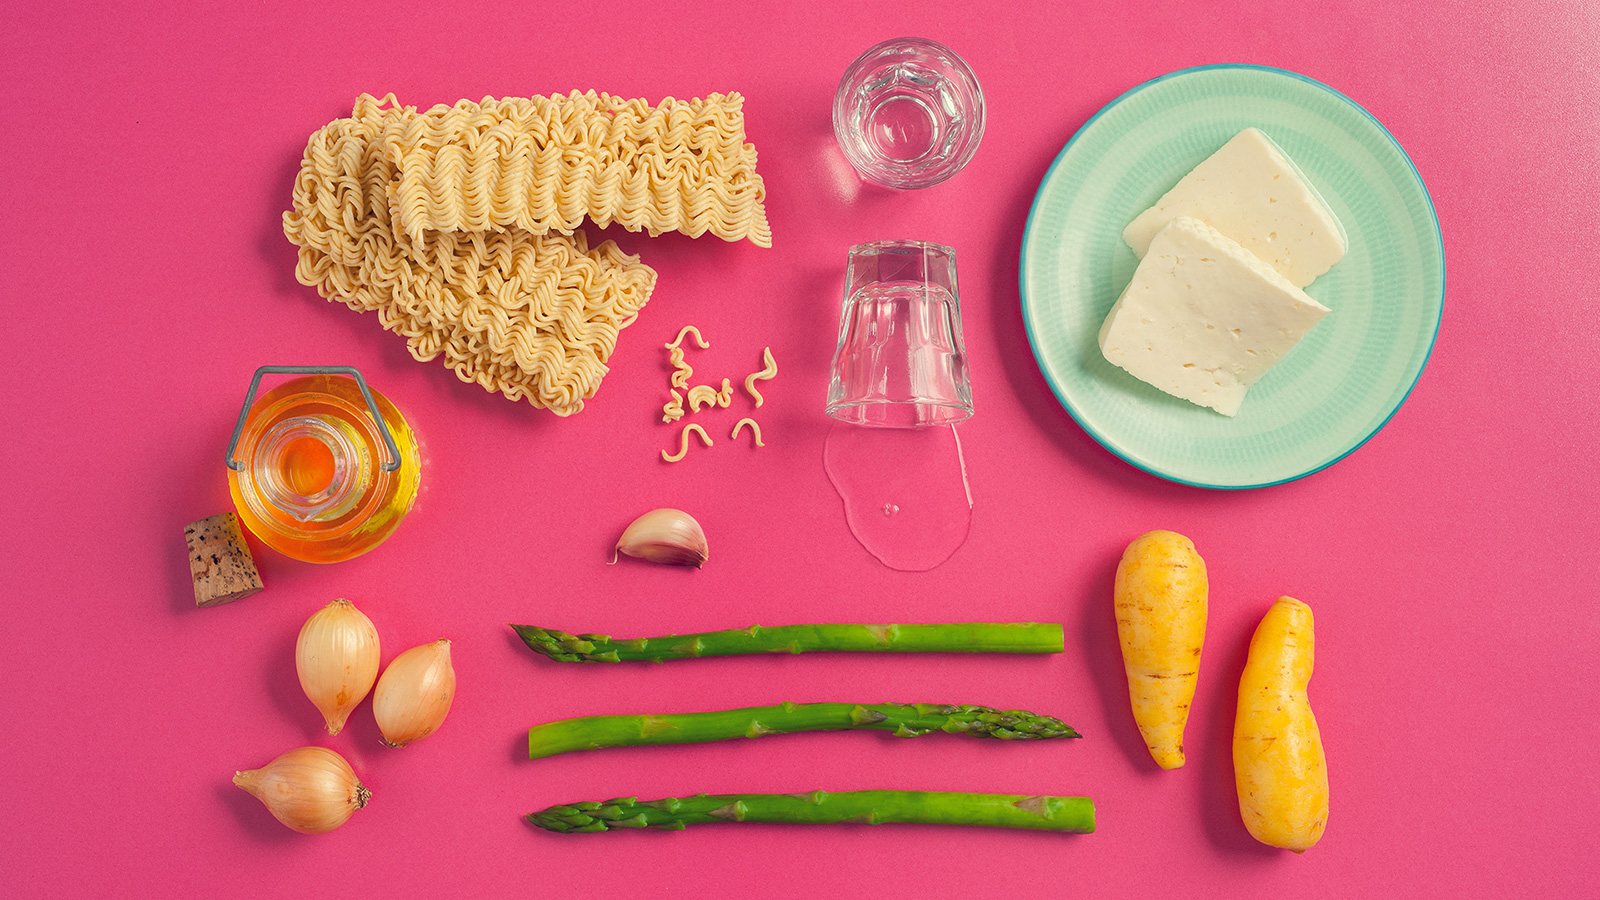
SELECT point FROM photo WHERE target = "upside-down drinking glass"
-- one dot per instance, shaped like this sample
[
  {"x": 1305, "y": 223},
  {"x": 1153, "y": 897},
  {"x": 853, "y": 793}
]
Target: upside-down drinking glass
[{"x": 900, "y": 361}]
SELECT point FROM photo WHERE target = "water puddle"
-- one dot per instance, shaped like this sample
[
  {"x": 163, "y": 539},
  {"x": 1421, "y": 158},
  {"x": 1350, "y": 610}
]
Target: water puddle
[{"x": 905, "y": 491}]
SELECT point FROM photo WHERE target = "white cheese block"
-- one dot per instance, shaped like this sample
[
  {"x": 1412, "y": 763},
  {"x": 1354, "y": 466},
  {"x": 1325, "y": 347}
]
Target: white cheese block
[
  {"x": 1203, "y": 318},
  {"x": 1250, "y": 191}
]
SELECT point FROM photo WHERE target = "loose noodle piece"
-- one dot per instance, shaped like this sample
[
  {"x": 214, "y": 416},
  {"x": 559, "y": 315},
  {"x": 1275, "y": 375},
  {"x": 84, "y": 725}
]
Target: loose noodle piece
[
  {"x": 683, "y": 442},
  {"x": 755, "y": 429},
  {"x": 681, "y": 368},
  {"x": 689, "y": 329},
  {"x": 533, "y": 316},
  {"x": 702, "y": 395},
  {"x": 673, "y": 410},
  {"x": 725, "y": 396},
  {"x": 767, "y": 373},
  {"x": 543, "y": 164}
]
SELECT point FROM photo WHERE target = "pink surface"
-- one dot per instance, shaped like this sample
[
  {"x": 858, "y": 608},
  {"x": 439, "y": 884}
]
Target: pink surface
[{"x": 1450, "y": 561}]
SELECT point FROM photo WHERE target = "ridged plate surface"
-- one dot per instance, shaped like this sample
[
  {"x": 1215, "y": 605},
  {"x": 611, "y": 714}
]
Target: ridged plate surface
[{"x": 1342, "y": 383}]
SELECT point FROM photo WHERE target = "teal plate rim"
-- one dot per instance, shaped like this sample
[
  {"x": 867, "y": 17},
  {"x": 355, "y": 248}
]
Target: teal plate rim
[{"x": 1107, "y": 441}]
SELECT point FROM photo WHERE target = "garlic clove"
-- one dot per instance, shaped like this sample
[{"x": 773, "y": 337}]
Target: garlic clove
[
  {"x": 312, "y": 789},
  {"x": 669, "y": 536},
  {"x": 415, "y": 693},
  {"x": 336, "y": 658}
]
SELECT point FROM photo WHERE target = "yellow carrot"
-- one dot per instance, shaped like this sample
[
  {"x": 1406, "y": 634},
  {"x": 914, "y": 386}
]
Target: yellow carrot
[
  {"x": 1278, "y": 763},
  {"x": 1161, "y": 595}
]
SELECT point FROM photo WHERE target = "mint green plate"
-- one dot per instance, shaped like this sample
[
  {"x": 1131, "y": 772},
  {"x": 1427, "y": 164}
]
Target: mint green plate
[{"x": 1342, "y": 382}]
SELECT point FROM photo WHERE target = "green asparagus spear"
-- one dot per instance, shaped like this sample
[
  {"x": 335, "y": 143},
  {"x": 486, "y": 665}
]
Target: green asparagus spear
[
  {"x": 819, "y": 808},
  {"x": 903, "y": 719},
  {"x": 966, "y": 637}
]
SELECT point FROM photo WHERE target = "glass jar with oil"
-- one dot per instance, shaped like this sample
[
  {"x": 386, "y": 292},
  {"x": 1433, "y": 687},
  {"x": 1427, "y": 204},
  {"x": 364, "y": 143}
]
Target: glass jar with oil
[{"x": 322, "y": 468}]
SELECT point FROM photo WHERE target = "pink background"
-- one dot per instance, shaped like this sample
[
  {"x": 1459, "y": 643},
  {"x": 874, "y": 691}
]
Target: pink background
[{"x": 148, "y": 156}]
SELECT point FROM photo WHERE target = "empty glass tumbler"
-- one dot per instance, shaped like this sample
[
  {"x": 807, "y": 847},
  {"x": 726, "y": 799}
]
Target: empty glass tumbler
[
  {"x": 900, "y": 362},
  {"x": 908, "y": 113}
]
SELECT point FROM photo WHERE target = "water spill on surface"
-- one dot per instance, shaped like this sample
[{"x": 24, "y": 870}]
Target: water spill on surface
[{"x": 905, "y": 491}]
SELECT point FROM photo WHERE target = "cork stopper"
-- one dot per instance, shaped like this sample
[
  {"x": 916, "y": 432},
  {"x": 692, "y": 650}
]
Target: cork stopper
[{"x": 220, "y": 561}]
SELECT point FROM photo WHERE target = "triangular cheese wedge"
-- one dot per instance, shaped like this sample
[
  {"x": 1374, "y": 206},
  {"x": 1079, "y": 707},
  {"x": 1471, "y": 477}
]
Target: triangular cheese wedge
[
  {"x": 1203, "y": 318},
  {"x": 1252, "y": 192}
]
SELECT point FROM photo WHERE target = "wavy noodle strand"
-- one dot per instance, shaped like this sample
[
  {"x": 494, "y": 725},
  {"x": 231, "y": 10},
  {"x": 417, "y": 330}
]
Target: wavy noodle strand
[
  {"x": 683, "y": 442},
  {"x": 686, "y": 330},
  {"x": 755, "y": 429},
  {"x": 767, "y": 373},
  {"x": 702, "y": 395}
]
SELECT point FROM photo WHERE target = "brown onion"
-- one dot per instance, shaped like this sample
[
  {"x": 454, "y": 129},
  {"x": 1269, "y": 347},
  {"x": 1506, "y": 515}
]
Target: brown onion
[
  {"x": 415, "y": 693},
  {"x": 311, "y": 789},
  {"x": 337, "y": 660}
]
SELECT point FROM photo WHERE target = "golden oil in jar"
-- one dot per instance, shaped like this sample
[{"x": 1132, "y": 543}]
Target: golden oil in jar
[{"x": 313, "y": 478}]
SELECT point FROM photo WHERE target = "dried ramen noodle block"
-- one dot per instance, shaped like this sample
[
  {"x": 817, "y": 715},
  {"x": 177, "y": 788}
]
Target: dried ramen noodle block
[
  {"x": 533, "y": 316},
  {"x": 544, "y": 164}
]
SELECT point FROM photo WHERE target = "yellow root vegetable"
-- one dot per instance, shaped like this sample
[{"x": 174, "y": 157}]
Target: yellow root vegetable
[
  {"x": 1278, "y": 762},
  {"x": 1161, "y": 595}
]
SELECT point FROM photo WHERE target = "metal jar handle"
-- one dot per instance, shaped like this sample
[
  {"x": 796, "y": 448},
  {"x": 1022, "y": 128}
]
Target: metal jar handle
[{"x": 390, "y": 465}]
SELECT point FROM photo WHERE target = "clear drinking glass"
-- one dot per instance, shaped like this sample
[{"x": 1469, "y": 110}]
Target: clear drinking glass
[
  {"x": 900, "y": 362},
  {"x": 908, "y": 113}
]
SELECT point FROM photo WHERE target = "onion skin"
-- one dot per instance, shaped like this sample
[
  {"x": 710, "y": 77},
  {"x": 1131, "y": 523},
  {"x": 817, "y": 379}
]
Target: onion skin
[
  {"x": 414, "y": 694},
  {"x": 336, "y": 658},
  {"x": 312, "y": 790}
]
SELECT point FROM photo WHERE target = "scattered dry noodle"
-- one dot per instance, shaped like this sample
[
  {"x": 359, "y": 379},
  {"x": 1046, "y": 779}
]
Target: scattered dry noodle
[
  {"x": 766, "y": 374},
  {"x": 673, "y": 410},
  {"x": 681, "y": 368},
  {"x": 755, "y": 429},
  {"x": 702, "y": 395},
  {"x": 697, "y": 338},
  {"x": 725, "y": 396},
  {"x": 683, "y": 442}
]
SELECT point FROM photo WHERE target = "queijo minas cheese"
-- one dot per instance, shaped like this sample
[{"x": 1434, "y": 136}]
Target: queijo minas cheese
[
  {"x": 1250, "y": 191},
  {"x": 1204, "y": 318}
]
